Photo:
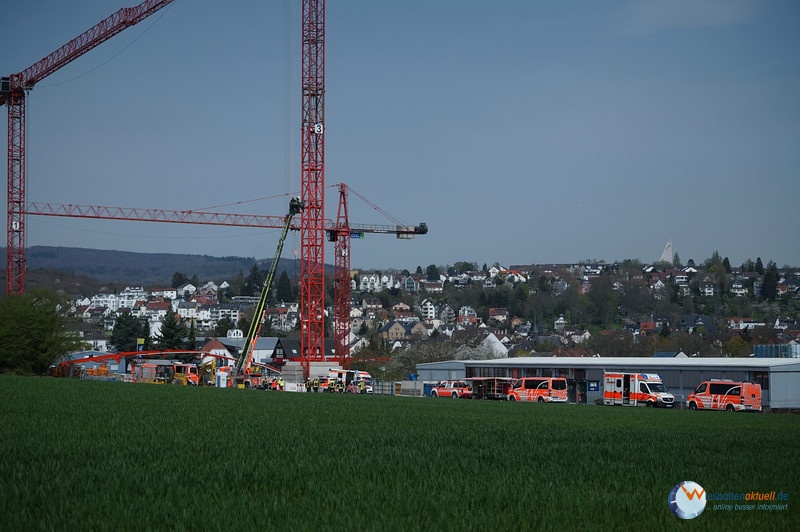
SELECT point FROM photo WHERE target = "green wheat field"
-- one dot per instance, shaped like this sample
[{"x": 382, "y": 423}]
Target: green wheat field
[{"x": 92, "y": 455}]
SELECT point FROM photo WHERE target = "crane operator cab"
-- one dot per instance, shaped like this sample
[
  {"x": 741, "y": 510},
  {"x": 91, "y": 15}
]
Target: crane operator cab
[{"x": 296, "y": 206}]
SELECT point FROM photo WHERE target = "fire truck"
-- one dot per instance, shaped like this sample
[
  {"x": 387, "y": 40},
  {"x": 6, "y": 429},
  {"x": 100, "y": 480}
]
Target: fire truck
[
  {"x": 636, "y": 389},
  {"x": 719, "y": 394},
  {"x": 165, "y": 372},
  {"x": 245, "y": 373}
]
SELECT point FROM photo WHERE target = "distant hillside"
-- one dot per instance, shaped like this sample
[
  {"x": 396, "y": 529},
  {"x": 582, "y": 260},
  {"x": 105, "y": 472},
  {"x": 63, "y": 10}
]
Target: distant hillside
[{"x": 128, "y": 268}]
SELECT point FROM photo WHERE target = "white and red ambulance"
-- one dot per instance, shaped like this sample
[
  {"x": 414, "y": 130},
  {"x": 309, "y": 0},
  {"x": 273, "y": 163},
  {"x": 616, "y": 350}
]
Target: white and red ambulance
[{"x": 636, "y": 389}]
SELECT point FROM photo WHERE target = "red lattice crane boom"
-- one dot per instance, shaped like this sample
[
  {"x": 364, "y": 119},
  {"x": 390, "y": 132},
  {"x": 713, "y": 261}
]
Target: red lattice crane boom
[{"x": 12, "y": 93}]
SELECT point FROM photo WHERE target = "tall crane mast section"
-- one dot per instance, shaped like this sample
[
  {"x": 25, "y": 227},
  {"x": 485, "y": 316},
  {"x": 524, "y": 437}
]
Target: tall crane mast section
[
  {"x": 340, "y": 235},
  {"x": 12, "y": 94},
  {"x": 312, "y": 223}
]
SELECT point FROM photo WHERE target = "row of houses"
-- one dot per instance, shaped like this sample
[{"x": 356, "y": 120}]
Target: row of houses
[{"x": 398, "y": 322}]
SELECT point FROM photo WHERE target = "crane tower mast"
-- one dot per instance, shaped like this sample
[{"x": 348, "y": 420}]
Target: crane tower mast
[{"x": 312, "y": 223}]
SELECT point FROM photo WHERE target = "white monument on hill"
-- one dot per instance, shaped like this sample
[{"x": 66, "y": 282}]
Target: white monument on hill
[{"x": 666, "y": 255}]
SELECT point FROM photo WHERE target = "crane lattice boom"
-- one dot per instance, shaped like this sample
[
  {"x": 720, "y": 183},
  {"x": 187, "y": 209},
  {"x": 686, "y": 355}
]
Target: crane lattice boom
[{"x": 12, "y": 94}]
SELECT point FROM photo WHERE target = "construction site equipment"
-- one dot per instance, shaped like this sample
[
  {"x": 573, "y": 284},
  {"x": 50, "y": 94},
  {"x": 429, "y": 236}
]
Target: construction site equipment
[
  {"x": 207, "y": 373},
  {"x": 312, "y": 225},
  {"x": 243, "y": 373},
  {"x": 340, "y": 231},
  {"x": 165, "y": 372},
  {"x": 12, "y": 93}
]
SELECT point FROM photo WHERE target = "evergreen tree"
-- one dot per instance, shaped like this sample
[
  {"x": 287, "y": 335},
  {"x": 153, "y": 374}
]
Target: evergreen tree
[
  {"x": 191, "y": 339},
  {"x": 759, "y": 267},
  {"x": 173, "y": 334},
  {"x": 432, "y": 273},
  {"x": 715, "y": 260},
  {"x": 179, "y": 279},
  {"x": 254, "y": 281},
  {"x": 223, "y": 326},
  {"x": 769, "y": 285},
  {"x": 283, "y": 291},
  {"x": 542, "y": 285},
  {"x": 238, "y": 285},
  {"x": 127, "y": 330},
  {"x": 144, "y": 332}
]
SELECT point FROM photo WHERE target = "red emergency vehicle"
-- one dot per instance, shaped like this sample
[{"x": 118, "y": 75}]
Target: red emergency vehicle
[
  {"x": 539, "y": 389},
  {"x": 454, "y": 389},
  {"x": 636, "y": 389},
  {"x": 719, "y": 394}
]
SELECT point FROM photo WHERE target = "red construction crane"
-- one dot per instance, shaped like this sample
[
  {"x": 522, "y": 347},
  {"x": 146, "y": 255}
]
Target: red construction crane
[
  {"x": 341, "y": 234},
  {"x": 312, "y": 223},
  {"x": 12, "y": 93},
  {"x": 312, "y": 185}
]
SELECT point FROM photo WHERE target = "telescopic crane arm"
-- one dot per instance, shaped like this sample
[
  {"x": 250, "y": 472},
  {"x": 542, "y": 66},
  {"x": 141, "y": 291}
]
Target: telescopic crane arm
[{"x": 245, "y": 360}]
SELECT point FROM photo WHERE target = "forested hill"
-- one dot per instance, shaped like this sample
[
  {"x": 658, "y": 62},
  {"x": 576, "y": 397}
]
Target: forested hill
[{"x": 149, "y": 269}]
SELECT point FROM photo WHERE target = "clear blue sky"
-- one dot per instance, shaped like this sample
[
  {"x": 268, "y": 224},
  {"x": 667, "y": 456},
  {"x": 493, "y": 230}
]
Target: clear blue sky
[{"x": 520, "y": 131}]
